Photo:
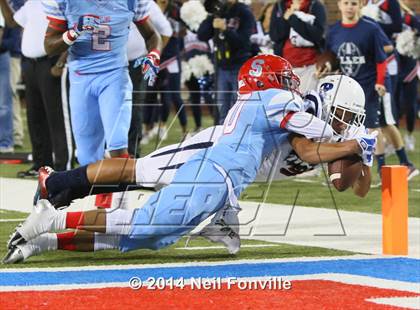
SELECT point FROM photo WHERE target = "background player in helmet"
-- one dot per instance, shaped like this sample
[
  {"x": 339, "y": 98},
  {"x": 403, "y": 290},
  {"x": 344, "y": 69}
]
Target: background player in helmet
[
  {"x": 268, "y": 113},
  {"x": 100, "y": 86}
]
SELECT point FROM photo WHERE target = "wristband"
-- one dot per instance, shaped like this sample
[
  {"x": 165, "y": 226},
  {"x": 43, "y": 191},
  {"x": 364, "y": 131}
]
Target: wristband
[
  {"x": 70, "y": 36},
  {"x": 155, "y": 52}
]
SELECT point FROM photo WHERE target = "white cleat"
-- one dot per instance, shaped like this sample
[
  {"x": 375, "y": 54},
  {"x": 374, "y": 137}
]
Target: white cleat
[
  {"x": 21, "y": 252},
  {"x": 219, "y": 231},
  {"x": 13, "y": 256},
  {"x": 43, "y": 219}
]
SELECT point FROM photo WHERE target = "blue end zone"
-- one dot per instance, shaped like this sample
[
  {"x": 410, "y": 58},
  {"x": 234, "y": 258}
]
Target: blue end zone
[{"x": 401, "y": 269}]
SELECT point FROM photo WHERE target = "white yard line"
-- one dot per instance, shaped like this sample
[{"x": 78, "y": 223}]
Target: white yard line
[
  {"x": 11, "y": 220},
  {"x": 194, "y": 248}
]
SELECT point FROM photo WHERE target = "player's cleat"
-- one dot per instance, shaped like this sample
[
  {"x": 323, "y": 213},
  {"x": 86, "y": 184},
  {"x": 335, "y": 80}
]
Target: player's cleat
[
  {"x": 15, "y": 238},
  {"x": 13, "y": 256},
  {"x": 30, "y": 173},
  {"x": 219, "y": 231},
  {"x": 41, "y": 191},
  {"x": 44, "y": 218},
  {"x": 21, "y": 252},
  {"x": 412, "y": 172}
]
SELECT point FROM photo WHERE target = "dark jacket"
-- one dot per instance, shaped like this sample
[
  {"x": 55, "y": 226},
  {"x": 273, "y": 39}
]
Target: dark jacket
[
  {"x": 280, "y": 28},
  {"x": 11, "y": 41},
  {"x": 233, "y": 45}
]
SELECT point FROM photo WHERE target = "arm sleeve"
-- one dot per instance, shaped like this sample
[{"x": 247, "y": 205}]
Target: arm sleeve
[
  {"x": 206, "y": 31},
  {"x": 315, "y": 32},
  {"x": 394, "y": 11},
  {"x": 159, "y": 20},
  {"x": 279, "y": 28},
  {"x": 141, "y": 11},
  {"x": 237, "y": 38},
  {"x": 412, "y": 21},
  {"x": 20, "y": 16},
  {"x": 307, "y": 125},
  {"x": 379, "y": 40},
  {"x": 54, "y": 9}
]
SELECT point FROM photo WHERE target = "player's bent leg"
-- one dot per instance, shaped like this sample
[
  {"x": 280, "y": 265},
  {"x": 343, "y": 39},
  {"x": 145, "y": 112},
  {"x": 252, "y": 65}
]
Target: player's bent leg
[
  {"x": 81, "y": 241},
  {"x": 60, "y": 188},
  {"x": 45, "y": 219},
  {"x": 197, "y": 191}
]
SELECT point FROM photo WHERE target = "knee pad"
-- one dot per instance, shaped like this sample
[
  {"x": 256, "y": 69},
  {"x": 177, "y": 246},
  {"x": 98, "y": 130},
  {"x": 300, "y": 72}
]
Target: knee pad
[{"x": 118, "y": 221}]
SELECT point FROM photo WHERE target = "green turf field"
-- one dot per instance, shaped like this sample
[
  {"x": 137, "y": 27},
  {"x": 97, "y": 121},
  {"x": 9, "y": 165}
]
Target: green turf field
[{"x": 174, "y": 254}]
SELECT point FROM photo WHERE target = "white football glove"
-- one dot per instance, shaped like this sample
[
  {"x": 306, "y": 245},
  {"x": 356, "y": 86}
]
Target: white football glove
[{"x": 367, "y": 144}]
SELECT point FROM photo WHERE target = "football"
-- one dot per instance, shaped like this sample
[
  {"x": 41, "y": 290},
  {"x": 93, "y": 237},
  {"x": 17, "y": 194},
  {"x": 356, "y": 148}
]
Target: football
[
  {"x": 343, "y": 172},
  {"x": 327, "y": 56}
]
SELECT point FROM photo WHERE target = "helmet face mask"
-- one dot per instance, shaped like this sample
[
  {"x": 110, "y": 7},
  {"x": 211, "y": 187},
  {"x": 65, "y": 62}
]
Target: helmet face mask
[
  {"x": 343, "y": 103},
  {"x": 267, "y": 71}
]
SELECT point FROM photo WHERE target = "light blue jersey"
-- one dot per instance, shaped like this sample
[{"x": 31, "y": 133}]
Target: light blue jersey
[
  {"x": 105, "y": 48},
  {"x": 253, "y": 129}
]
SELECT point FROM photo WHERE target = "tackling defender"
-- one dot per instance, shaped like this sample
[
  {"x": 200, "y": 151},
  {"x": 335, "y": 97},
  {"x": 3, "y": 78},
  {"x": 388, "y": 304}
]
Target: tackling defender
[{"x": 267, "y": 114}]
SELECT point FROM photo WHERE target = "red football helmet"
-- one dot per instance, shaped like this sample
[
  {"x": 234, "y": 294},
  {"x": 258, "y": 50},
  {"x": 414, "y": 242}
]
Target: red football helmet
[{"x": 267, "y": 71}]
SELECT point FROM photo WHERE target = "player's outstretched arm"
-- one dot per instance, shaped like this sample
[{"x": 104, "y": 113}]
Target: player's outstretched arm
[
  {"x": 362, "y": 185},
  {"x": 319, "y": 152}
]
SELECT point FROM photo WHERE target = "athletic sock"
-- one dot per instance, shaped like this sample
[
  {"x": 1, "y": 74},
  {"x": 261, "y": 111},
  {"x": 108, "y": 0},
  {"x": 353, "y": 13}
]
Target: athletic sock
[
  {"x": 75, "y": 179},
  {"x": 402, "y": 156},
  {"x": 65, "y": 241},
  {"x": 106, "y": 200},
  {"x": 74, "y": 220},
  {"x": 42, "y": 243},
  {"x": 380, "y": 158}
]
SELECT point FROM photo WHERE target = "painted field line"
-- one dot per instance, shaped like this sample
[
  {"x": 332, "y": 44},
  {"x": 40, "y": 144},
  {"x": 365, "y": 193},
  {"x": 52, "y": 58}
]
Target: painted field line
[
  {"x": 193, "y": 248},
  {"x": 11, "y": 220},
  {"x": 196, "y": 263},
  {"x": 403, "y": 302}
]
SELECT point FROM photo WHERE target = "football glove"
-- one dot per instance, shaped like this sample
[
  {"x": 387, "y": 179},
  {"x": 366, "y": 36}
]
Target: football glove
[
  {"x": 367, "y": 144},
  {"x": 86, "y": 24},
  {"x": 150, "y": 66}
]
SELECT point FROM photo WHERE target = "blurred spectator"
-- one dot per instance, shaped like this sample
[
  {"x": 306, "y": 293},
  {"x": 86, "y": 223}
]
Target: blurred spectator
[
  {"x": 43, "y": 90},
  {"x": 11, "y": 43},
  {"x": 297, "y": 28},
  {"x": 196, "y": 51},
  {"x": 230, "y": 25},
  {"x": 359, "y": 44},
  {"x": 136, "y": 48},
  {"x": 408, "y": 77},
  {"x": 169, "y": 80},
  {"x": 197, "y": 66},
  {"x": 262, "y": 38},
  {"x": 6, "y": 107}
]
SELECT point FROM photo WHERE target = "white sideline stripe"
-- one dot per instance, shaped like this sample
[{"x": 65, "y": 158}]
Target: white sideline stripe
[
  {"x": 340, "y": 278},
  {"x": 304, "y": 180},
  {"x": 193, "y": 248},
  {"x": 11, "y": 220},
  {"x": 404, "y": 302},
  {"x": 198, "y": 263}
]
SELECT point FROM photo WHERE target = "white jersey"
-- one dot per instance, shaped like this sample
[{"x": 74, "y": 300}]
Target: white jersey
[{"x": 158, "y": 168}]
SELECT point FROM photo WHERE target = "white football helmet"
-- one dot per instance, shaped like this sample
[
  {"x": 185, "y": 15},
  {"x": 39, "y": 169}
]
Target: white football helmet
[{"x": 340, "y": 92}]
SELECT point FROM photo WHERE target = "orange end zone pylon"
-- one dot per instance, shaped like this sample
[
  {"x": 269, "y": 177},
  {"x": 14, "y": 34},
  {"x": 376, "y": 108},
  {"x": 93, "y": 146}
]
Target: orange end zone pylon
[{"x": 394, "y": 210}]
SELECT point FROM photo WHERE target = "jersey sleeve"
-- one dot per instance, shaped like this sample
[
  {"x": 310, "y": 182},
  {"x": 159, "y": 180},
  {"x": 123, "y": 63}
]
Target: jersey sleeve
[
  {"x": 379, "y": 40},
  {"x": 55, "y": 10},
  {"x": 281, "y": 106},
  {"x": 141, "y": 11},
  {"x": 159, "y": 20}
]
